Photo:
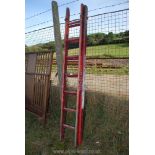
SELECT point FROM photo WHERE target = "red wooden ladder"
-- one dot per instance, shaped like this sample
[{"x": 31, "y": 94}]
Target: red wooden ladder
[{"x": 80, "y": 59}]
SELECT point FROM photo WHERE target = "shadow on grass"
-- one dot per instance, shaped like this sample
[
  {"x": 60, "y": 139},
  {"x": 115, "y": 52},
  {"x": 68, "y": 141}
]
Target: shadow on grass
[{"x": 105, "y": 127}]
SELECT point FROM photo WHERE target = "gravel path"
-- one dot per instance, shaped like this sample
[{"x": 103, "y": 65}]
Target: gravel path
[{"x": 116, "y": 85}]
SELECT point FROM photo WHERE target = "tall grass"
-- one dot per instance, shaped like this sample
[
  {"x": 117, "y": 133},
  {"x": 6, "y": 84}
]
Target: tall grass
[{"x": 105, "y": 127}]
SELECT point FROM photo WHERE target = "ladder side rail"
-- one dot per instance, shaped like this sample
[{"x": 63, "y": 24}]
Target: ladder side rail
[
  {"x": 63, "y": 101},
  {"x": 82, "y": 57},
  {"x": 79, "y": 78}
]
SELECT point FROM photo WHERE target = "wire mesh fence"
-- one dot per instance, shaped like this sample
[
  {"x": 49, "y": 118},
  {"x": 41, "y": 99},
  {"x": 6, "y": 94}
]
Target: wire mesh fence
[{"x": 107, "y": 55}]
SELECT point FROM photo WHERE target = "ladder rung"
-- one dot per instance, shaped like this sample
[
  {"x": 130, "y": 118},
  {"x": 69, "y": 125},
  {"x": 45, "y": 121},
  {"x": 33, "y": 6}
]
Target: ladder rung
[
  {"x": 73, "y": 40},
  {"x": 70, "y": 92},
  {"x": 74, "y": 23},
  {"x": 70, "y": 110},
  {"x": 71, "y": 75},
  {"x": 74, "y": 57},
  {"x": 68, "y": 126},
  {"x": 74, "y": 20}
]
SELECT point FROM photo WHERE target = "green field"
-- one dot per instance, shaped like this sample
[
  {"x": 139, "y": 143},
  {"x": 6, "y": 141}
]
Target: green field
[{"x": 102, "y": 51}]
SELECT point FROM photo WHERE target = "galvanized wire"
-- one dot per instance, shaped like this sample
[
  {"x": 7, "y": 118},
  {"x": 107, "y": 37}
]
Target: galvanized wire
[
  {"x": 48, "y": 10},
  {"x": 72, "y": 15},
  {"x": 107, "y": 63}
]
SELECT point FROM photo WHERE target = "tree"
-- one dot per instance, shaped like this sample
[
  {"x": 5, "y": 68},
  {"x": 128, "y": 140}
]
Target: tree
[
  {"x": 26, "y": 48},
  {"x": 92, "y": 40},
  {"x": 109, "y": 38}
]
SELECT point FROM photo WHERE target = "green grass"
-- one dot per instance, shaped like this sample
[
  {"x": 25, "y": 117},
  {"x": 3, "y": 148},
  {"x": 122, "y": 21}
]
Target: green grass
[
  {"x": 105, "y": 129},
  {"x": 102, "y": 51}
]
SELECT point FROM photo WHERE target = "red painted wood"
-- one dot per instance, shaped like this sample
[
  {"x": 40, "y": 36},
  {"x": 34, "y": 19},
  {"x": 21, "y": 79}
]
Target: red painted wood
[
  {"x": 68, "y": 126},
  {"x": 73, "y": 40},
  {"x": 75, "y": 57},
  {"x": 74, "y": 24},
  {"x": 80, "y": 59},
  {"x": 70, "y": 92},
  {"x": 72, "y": 75},
  {"x": 70, "y": 110},
  {"x": 63, "y": 102}
]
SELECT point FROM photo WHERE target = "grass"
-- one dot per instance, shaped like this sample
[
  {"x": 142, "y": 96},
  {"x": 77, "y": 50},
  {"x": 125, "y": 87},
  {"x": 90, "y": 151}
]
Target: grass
[
  {"x": 105, "y": 129},
  {"x": 102, "y": 51}
]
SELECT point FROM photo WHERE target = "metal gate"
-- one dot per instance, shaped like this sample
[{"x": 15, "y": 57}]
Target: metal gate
[{"x": 37, "y": 82}]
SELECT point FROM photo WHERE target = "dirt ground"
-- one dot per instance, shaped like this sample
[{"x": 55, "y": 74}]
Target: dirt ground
[
  {"x": 116, "y": 85},
  {"x": 113, "y": 63}
]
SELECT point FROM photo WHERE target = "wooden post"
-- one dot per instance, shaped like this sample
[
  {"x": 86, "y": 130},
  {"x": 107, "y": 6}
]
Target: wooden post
[{"x": 57, "y": 35}]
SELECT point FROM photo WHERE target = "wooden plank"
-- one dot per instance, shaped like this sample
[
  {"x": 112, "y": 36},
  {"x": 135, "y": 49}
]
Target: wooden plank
[{"x": 57, "y": 36}]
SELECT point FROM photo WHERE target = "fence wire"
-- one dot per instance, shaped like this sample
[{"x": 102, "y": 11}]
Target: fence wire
[
  {"x": 107, "y": 58},
  {"x": 38, "y": 21}
]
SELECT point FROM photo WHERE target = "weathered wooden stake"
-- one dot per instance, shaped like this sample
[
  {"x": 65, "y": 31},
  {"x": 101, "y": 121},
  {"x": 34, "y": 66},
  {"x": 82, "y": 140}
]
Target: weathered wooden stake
[{"x": 57, "y": 35}]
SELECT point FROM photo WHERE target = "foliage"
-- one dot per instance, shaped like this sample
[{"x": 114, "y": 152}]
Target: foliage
[
  {"x": 92, "y": 40},
  {"x": 110, "y": 38}
]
